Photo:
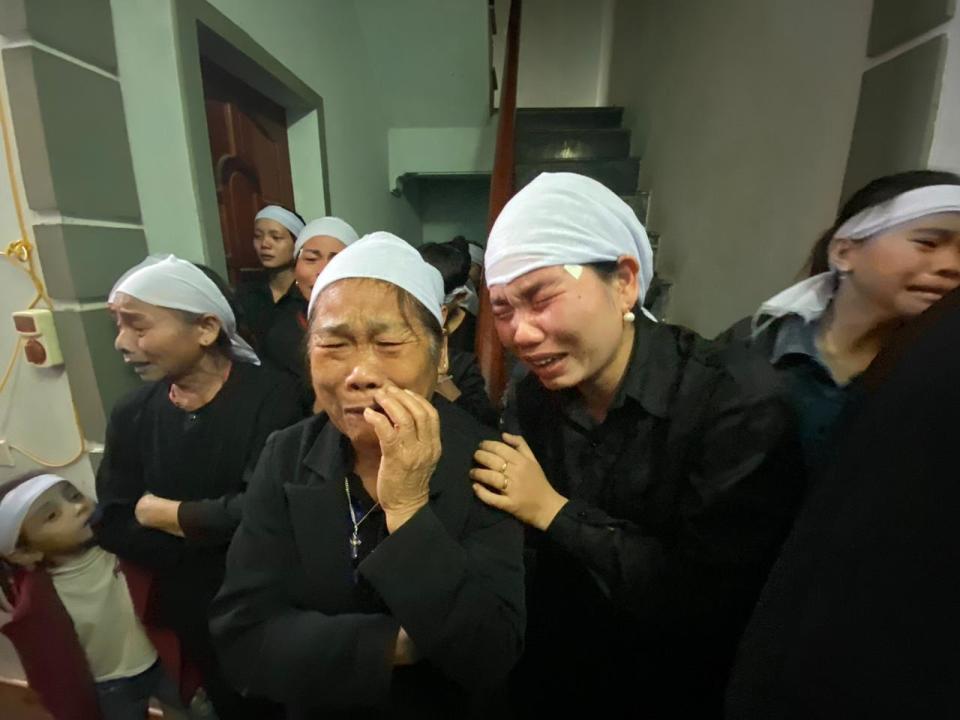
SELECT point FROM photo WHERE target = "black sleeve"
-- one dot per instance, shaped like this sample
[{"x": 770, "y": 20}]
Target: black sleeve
[
  {"x": 473, "y": 391},
  {"x": 744, "y": 480},
  {"x": 461, "y": 601},
  {"x": 268, "y": 645},
  {"x": 213, "y": 521},
  {"x": 120, "y": 484}
]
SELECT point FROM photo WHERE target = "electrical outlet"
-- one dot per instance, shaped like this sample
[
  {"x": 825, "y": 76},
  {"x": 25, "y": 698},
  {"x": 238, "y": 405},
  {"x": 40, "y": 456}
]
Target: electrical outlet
[{"x": 6, "y": 457}]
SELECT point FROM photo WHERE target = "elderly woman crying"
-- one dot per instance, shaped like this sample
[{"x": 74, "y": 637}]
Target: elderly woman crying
[{"x": 366, "y": 576}]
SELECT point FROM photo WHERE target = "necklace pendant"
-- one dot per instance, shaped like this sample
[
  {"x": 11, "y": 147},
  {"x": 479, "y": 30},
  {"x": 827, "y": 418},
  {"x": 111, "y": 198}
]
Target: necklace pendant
[{"x": 354, "y": 546}]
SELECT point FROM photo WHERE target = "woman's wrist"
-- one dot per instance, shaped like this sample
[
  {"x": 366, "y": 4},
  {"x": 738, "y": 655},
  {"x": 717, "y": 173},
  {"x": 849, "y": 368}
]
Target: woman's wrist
[
  {"x": 396, "y": 517},
  {"x": 551, "y": 508}
]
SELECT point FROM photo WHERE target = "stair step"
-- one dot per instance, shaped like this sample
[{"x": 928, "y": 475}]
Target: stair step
[
  {"x": 640, "y": 202},
  {"x": 572, "y": 144},
  {"x": 618, "y": 175},
  {"x": 554, "y": 118}
]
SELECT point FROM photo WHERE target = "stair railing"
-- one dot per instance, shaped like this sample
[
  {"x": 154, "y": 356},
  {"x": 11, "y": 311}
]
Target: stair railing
[{"x": 490, "y": 353}]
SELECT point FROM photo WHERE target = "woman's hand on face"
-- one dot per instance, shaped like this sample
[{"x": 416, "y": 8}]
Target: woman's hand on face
[
  {"x": 409, "y": 435},
  {"x": 510, "y": 478}
]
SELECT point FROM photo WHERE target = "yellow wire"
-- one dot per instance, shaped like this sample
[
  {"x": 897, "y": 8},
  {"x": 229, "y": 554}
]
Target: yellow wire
[
  {"x": 11, "y": 364},
  {"x": 20, "y": 253},
  {"x": 49, "y": 463}
]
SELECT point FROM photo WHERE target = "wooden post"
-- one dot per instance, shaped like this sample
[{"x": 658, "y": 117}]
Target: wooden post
[{"x": 489, "y": 350}]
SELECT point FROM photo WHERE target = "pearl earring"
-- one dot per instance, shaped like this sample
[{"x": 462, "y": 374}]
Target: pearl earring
[{"x": 629, "y": 316}]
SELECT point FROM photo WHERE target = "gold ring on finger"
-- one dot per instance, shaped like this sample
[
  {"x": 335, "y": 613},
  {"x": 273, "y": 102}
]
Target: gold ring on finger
[{"x": 503, "y": 470}]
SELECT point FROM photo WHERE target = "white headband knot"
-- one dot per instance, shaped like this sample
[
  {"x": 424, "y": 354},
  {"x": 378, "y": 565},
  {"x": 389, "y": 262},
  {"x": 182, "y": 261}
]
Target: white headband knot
[
  {"x": 281, "y": 215},
  {"x": 383, "y": 256},
  {"x": 476, "y": 253},
  {"x": 180, "y": 285}
]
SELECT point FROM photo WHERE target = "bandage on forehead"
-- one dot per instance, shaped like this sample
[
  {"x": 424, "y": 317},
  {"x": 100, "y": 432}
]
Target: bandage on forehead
[
  {"x": 906, "y": 207},
  {"x": 383, "y": 256},
  {"x": 15, "y": 506},
  {"x": 283, "y": 216},
  {"x": 565, "y": 219},
  {"x": 330, "y": 226},
  {"x": 180, "y": 285}
]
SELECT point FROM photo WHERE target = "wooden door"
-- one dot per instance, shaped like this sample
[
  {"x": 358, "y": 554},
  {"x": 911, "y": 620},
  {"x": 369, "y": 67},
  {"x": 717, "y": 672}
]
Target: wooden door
[{"x": 251, "y": 161}]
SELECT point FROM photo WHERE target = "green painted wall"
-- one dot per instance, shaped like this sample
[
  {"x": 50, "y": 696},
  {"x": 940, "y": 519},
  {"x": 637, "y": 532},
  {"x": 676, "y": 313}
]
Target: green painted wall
[
  {"x": 431, "y": 59},
  {"x": 153, "y": 102},
  {"x": 318, "y": 41},
  {"x": 441, "y": 150}
]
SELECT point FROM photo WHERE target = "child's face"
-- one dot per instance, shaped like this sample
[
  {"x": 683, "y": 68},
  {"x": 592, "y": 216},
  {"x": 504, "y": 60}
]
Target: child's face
[{"x": 58, "y": 521}]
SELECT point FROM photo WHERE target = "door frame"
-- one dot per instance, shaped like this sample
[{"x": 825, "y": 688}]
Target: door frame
[{"x": 202, "y": 30}]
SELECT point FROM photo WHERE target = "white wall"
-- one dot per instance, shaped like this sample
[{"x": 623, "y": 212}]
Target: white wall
[
  {"x": 564, "y": 51},
  {"x": 32, "y": 397},
  {"x": 742, "y": 112}
]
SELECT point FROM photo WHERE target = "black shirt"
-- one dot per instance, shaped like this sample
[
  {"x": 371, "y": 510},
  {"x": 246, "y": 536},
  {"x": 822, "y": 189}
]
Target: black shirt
[
  {"x": 464, "y": 337},
  {"x": 679, "y": 500},
  {"x": 279, "y": 330},
  {"x": 202, "y": 458},
  {"x": 257, "y": 306},
  {"x": 300, "y": 621},
  {"x": 465, "y": 373},
  {"x": 816, "y": 398},
  {"x": 859, "y": 617}
]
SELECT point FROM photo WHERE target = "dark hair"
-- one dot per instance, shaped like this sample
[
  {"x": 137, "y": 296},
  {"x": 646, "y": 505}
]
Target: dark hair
[
  {"x": 874, "y": 193},
  {"x": 607, "y": 270},
  {"x": 452, "y": 262}
]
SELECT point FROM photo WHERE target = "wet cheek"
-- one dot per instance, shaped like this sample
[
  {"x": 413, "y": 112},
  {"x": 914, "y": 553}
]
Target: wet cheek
[
  {"x": 326, "y": 373},
  {"x": 505, "y": 330}
]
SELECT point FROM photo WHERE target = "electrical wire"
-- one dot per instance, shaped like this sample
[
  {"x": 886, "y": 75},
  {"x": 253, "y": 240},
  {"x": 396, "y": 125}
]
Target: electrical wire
[{"x": 20, "y": 253}]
